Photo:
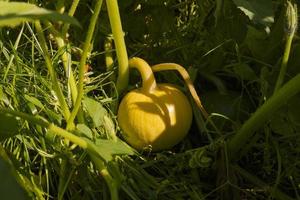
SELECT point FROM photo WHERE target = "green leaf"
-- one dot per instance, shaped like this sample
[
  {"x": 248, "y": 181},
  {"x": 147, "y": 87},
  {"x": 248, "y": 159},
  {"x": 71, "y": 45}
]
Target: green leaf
[
  {"x": 14, "y": 13},
  {"x": 9, "y": 126},
  {"x": 256, "y": 41},
  {"x": 84, "y": 130},
  {"x": 106, "y": 149},
  {"x": 34, "y": 101},
  {"x": 95, "y": 110},
  {"x": 244, "y": 71},
  {"x": 226, "y": 28},
  {"x": 9, "y": 187},
  {"x": 257, "y": 10}
]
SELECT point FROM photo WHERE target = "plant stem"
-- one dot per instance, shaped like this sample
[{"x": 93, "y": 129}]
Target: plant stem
[
  {"x": 67, "y": 135},
  {"x": 114, "y": 194},
  {"x": 109, "y": 60},
  {"x": 184, "y": 74},
  {"x": 112, "y": 186},
  {"x": 149, "y": 83},
  {"x": 284, "y": 63},
  {"x": 118, "y": 35},
  {"x": 26, "y": 117},
  {"x": 66, "y": 60},
  {"x": 71, "y": 12},
  {"x": 51, "y": 127},
  {"x": 83, "y": 59},
  {"x": 52, "y": 72},
  {"x": 291, "y": 27},
  {"x": 262, "y": 115},
  {"x": 60, "y": 6}
]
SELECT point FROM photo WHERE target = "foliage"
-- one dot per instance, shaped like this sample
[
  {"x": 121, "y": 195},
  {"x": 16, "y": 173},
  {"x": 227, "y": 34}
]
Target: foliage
[
  {"x": 233, "y": 49},
  {"x": 15, "y": 13}
]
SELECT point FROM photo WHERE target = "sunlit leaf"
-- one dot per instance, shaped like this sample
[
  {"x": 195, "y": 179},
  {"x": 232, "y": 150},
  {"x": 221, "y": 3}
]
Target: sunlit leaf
[
  {"x": 14, "y": 13},
  {"x": 84, "y": 130},
  {"x": 108, "y": 148},
  {"x": 34, "y": 101},
  {"x": 95, "y": 110}
]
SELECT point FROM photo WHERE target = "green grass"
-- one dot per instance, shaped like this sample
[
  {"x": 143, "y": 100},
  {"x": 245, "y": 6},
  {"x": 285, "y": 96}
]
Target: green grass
[{"x": 237, "y": 58}]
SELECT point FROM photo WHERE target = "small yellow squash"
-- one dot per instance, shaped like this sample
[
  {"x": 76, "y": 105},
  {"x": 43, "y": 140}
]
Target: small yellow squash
[{"x": 156, "y": 115}]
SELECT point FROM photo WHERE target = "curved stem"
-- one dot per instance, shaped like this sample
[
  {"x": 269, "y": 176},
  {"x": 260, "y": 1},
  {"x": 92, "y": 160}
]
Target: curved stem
[
  {"x": 118, "y": 35},
  {"x": 262, "y": 115},
  {"x": 291, "y": 27},
  {"x": 51, "y": 71},
  {"x": 83, "y": 59},
  {"x": 67, "y": 135},
  {"x": 187, "y": 79},
  {"x": 51, "y": 127},
  {"x": 112, "y": 186},
  {"x": 66, "y": 60},
  {"x": 26, "y": 117},
  {"x": 149, "y": 83},
  {"x": 284, "y": 63}
]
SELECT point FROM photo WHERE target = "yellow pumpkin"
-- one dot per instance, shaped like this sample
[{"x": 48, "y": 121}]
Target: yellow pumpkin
[{"x": 156, "y": 115}]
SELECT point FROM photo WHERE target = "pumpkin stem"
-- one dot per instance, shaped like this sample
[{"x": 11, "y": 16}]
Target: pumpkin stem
[
  {"x": 149, "y": 83},
  {"x": 187, "y": 79}
]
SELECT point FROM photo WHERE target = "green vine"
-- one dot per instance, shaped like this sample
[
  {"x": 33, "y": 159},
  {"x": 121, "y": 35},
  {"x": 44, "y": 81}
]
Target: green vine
[
  {"x": 83, "y": 59},
  {"x": 263, "y": 114},
  {"x": 291, "y": 27},
  {"x": 84, "y": 144},
  {"x": 71, "y": 12},
  {"x": 52, "y": 73},
  {"x": 280, "y": 96},
  {"x": 118, "y": 36}
]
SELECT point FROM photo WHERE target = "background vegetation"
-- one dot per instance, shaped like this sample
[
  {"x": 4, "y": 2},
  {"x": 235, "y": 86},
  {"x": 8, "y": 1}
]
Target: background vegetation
[{"x": 233, "y": 50}]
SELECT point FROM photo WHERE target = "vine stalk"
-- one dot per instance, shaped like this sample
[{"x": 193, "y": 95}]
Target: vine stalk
[
  {"x": 52, "y": 73},
  {"x": 262, "y": 115},
  {"x": 82, "y": 63},
  {"x": 291, "y": 27},
  {"x": 52, "y": 128},
  {"x": 280, "y": 96},
  {"x": 118, "y": 36}
]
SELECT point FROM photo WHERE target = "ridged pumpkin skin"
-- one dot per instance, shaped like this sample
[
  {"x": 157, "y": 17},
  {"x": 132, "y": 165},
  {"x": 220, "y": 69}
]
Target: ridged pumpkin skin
[{"x": 161, "y": 118}]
